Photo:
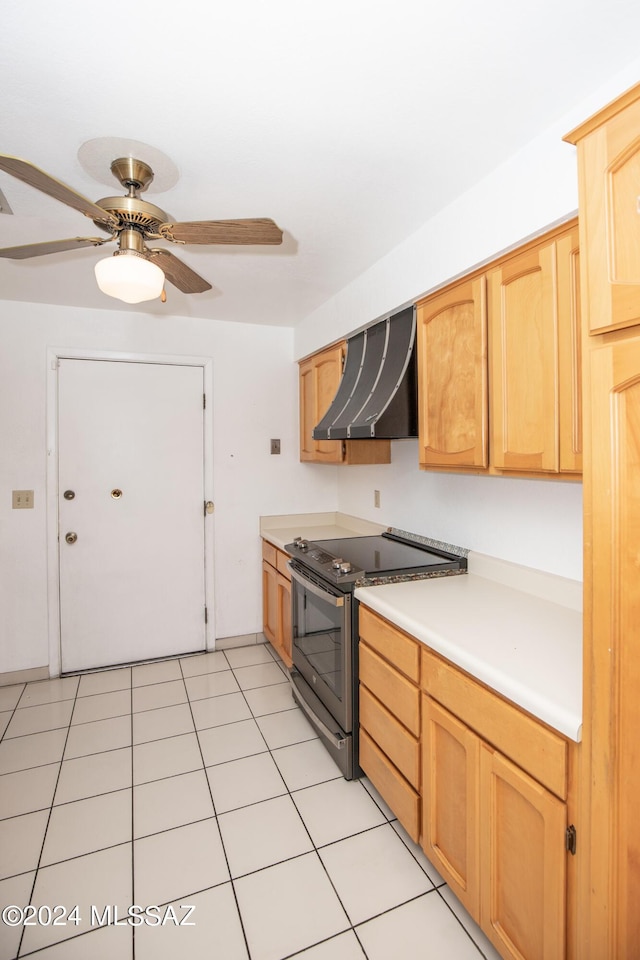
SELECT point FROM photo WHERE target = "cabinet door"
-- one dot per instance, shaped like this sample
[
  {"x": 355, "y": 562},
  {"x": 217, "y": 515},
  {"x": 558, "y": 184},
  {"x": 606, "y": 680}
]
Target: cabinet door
[
  {"x": 450, "y": 766},
  {"x": 269, "y": 601},
  {"x": 452, "y": 377},
  {"x": 283, "y": 618},
  {"x": 319, "y": 379},
  {"x": 612, "y": 664},
  {"x": 523, "y": 362},
  {"x": 609, "y": 177},
  {"x": 569, "y": 352},
  {"x": 522, "y": 862}
]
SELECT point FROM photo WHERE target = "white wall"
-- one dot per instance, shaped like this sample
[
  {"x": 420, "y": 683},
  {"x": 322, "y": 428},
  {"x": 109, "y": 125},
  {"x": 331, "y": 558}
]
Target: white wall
[
  {"x": 255, "y": 391},
  {"x": 538, "y": 523}
]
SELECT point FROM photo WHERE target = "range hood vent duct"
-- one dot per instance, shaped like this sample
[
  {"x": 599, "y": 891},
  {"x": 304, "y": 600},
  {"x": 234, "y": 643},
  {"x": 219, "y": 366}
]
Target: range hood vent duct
[{"x": 377, "y": 395}]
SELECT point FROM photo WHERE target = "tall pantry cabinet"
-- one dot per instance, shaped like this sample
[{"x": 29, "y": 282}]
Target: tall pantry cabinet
[{"x": 608, "y": 148}]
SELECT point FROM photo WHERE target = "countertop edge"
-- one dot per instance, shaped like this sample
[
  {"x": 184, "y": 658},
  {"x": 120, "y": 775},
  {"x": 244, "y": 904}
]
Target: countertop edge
[{"x": 561, "y": 718}]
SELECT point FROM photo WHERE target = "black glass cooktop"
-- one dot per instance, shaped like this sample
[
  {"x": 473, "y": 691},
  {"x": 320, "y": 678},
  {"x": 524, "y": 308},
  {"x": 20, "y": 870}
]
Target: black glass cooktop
[
  {"x": 348, "y": 560},
  {"x": 379, "y": 555}
]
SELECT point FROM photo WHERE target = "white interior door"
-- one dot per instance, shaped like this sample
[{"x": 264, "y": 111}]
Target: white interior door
[{"x": 131, "y": 490}]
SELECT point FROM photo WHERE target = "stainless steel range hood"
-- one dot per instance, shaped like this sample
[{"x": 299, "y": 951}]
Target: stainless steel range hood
[{"x": 377, "y": 396}]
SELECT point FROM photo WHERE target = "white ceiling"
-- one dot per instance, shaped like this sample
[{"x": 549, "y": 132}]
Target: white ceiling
[{"x": 349, "y": 122}]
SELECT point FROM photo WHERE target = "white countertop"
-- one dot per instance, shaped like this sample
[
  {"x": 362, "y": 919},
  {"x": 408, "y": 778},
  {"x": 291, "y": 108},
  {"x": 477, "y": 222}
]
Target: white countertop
[
  {"x": 527, "y": 648},
  {"x": 280, "y": 530}
]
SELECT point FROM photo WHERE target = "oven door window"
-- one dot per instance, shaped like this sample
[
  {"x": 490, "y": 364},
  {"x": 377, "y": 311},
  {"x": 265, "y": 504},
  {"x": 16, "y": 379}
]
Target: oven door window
[
  {"x": 321, "y": 644},
  {"x": 319, "y": 641}
]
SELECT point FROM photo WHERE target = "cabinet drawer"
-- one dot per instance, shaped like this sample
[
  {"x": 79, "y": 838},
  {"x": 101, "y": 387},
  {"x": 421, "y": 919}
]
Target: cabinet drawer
[
  {"x": 269, "y": 552},
  {"x": 531, "y": 745},
  {"x": 281, "y": 564},
  {"x": 393, "y": 739},
  {"x": 399, "y": 695},
  {"x": 390, "y": 643},
  {"x": 392, "y": 787}
]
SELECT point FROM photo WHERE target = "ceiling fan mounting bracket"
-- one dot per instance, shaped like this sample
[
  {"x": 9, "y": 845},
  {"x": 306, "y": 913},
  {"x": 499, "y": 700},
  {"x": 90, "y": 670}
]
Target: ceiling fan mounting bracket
[{"x": 132, "y": 173}]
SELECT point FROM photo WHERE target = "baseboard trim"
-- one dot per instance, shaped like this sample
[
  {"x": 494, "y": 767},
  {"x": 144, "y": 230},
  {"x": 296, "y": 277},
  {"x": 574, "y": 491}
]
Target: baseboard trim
[
  {"x": 245, "y": 640},
  {"x": 24, "y": 676}
]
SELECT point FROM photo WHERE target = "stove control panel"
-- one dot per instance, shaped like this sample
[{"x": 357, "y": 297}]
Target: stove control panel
[{"x": 328, "y": 564}]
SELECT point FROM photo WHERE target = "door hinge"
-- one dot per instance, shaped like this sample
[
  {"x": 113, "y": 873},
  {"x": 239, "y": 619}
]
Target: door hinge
[
  {"x": 204, "y": 401},
  {"x": 570, "y": 840},
  {"x": 206, "y": 615}
]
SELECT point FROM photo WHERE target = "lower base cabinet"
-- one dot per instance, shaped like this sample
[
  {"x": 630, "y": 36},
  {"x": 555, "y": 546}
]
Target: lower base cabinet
[
  {"x": 276, "y": 600},
  {"x": 522, "y": 862},
  {"x": 484, "y": 787},
  {"x": 496, "y": 836},
  {"x": 390, "y": 717}
]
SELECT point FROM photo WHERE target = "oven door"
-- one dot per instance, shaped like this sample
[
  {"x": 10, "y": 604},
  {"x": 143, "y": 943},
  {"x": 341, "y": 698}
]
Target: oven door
[{"x": 321, "y": 640}]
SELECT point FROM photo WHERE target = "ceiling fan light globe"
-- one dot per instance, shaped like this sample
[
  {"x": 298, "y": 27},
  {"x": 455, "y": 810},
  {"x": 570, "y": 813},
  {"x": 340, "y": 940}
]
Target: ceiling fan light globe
[{"x": 130, "y": 278}]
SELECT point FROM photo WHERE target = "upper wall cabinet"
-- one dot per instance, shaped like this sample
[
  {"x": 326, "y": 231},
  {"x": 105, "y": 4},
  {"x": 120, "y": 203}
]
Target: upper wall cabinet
[
  {"x": 524, "y": 362},
  {"x": 320, "y": 375},
  {"x": 499, "y": 365},
  {"x": 534, "y": 336},
  {"x": 609, "y": 178},
  {"x": 452, "y": 372}
]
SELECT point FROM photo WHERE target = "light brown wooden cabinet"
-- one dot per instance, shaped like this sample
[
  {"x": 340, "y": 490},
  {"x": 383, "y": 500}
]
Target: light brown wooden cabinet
[
  {"x": 390, "y": 716},
  {"x": 452, "y": 376},
  {"x": 487, "y": 789},
  {"x": 494, "y": 831},
  {"x": 534, "y": 365},
  {"x": 523, "y": 365},
  {"x": 609, "y": 184},
  {"x": 609, "y": 178},
  {"x": 499, "y": 365},
  {"x": 319, "y": 378},
  {"x": 276, "y": 600}
]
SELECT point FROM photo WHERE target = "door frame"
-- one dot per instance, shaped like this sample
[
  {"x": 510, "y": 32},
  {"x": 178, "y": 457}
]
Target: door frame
[{"x": 54, "y": 355}]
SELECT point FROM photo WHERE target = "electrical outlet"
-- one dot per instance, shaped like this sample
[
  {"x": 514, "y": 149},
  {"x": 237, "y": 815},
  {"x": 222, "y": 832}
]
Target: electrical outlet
[
  {"x": 22, "y": 499},
  {"x": 275, "y": 446},
  {"x": 376, "y": 498}
]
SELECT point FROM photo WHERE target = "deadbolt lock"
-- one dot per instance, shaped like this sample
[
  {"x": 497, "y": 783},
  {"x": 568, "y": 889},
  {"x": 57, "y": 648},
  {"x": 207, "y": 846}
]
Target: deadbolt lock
[
  {"x": 71, "y": 537},
  {"x": 116, "y": 494},
  {"x": 69, "y": 494}
]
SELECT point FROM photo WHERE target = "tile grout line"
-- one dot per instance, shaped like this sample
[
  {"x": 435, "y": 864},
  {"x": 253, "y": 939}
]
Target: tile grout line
[
  {"x": 315, "y": 849},
  {"x": 46, "y": 829},
  {"x": 215, "y": 815}
]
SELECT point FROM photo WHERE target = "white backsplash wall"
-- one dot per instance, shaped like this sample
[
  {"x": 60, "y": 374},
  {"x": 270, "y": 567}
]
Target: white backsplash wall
[
  {"x": 537, "y": 523},
  {"x": 254, "y": 399}
]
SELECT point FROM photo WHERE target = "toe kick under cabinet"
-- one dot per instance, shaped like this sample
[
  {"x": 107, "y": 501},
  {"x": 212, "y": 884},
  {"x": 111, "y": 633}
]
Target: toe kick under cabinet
[{"x": 483, "y": 786}]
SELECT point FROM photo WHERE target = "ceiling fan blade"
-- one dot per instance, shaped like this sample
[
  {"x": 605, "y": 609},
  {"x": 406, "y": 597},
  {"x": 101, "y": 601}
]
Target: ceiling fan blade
[
  {"x": 178, "y": 273},
  {"x": 28, "y": 250},
  {"x": 29, "y": 173},
  {"x": 223, "y": 231}
]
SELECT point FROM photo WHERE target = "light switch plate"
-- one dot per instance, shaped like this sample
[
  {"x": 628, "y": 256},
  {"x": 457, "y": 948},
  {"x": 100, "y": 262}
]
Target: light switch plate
[
  {"x": 275, "y": 446},
  {"x": 22, "y": 499}
]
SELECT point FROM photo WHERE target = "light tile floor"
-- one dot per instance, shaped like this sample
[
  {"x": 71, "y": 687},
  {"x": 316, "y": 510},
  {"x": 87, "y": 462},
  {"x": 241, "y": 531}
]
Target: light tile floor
[{"x": 198, "y": 786}]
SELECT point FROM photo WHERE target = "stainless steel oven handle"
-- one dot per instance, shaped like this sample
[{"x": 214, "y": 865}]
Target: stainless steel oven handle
[
  {"x": 338, "y": 741},
  {"x": 312, "y": 588}
]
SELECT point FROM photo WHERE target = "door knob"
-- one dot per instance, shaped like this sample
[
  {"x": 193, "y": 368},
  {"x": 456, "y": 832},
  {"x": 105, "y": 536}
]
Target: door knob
[{"x": 71, "y": 537}]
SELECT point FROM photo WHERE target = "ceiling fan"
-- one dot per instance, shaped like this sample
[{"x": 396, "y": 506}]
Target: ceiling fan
[{"x": 135, "y": 272}]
